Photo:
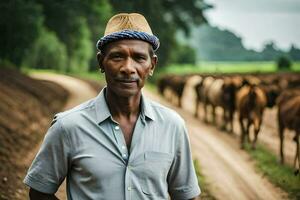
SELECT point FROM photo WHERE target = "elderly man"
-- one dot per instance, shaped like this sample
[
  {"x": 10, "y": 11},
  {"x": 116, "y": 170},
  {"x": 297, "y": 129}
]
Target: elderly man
[{"x": 119, "y": 145}]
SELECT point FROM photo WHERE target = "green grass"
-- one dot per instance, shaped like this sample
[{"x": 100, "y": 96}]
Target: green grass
[
  {"x": 280, "y": 175},
  {"x": 226, "y": 67},
  {"x": 205, "y": 194}
]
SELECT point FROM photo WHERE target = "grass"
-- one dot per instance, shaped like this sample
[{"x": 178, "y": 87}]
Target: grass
[
  {"x": 280, "y": 175},
  {"x": 227, "y": 67},
  {"x": 205, "y": 194}
]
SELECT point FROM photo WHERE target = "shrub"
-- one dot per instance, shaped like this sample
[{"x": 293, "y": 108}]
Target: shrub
[
  {"x": 284, "y": 63},
  {"x": 47, "y": 53}
]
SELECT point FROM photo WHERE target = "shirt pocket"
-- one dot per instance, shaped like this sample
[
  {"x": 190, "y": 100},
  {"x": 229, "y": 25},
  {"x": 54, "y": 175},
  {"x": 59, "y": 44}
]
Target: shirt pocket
[{"x": 154, "y": 181}]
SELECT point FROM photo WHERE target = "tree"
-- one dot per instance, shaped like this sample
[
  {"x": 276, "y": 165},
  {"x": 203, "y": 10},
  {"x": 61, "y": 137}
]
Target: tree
[
  {"x": 47, "y": 53},
  {"x": 284, "y": 63},
  {"x": 294, "y": 53},
  {"x": 78, "y": 24},
  {"x": 166, "y": 18},
  {"x": 20, "y": 23},
  {"x": 184, "y": 54}
]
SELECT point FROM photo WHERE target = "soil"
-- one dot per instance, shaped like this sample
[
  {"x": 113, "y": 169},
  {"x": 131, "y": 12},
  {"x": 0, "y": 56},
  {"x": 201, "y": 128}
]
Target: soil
[{"x": 26, "y": 108}]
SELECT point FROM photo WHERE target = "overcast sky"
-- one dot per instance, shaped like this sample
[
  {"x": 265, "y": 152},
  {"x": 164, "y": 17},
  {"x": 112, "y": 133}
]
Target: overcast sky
[{"x": 258, "y": 21}]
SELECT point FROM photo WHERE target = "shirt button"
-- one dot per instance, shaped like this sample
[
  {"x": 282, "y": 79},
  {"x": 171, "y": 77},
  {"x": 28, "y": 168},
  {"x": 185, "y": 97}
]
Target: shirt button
[
  {"x": 124, "y": 155},
  {"x": 129, "y": 188},
  {"x": 117, "y": 128},
  {"x": 123, "y": 147}
]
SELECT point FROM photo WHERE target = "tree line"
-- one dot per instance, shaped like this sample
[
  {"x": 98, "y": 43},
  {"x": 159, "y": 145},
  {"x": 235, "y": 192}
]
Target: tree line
[
  {"x": 61, "y": 34},
  {"x": 214, "y": 44}
]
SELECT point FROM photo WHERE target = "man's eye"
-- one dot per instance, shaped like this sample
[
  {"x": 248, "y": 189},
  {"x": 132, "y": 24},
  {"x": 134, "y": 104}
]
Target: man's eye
[
  {"x": 141, "y": 58},
  {"x": 116, "y": 56}
]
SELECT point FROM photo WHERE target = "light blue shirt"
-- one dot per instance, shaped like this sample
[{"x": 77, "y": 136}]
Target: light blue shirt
[{"x": 86, "y": 146}]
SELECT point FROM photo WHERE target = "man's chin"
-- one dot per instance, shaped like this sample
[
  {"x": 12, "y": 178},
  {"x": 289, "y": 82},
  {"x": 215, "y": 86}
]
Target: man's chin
[{"x": 127, "y": 92}]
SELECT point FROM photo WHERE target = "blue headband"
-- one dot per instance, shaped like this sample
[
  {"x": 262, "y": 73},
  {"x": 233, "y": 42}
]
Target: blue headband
[{"x": 128, "y": 34}]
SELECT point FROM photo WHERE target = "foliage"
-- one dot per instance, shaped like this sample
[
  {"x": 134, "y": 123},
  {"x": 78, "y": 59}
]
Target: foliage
[
  {"x": 294, "y": 53},
  {"x": 184, "y": 54},
  {"x": 214, "y": 44},
  {"x": 47, "y": 52},
  {"x": 4, "y": 63},
  {"x": 20, "y": 24},
  {"x": 165, "y": 19},
  {"x": 270, "y": 51},
  {"x": 77, "y": 24},
  {"x": 284, "y": 63},
  {"x": 225, "y": 67},
  {"x": 282, "y": 176},
  {"x": 81, "y": 47}
]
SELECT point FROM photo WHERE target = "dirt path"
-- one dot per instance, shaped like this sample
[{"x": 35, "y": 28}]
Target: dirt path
[
  {"x": 79, "y": 92},
  {"x": 229, "y": 170}
]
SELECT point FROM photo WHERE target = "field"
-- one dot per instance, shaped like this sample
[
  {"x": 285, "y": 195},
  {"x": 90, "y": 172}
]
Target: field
[{"x": 227, "y": 67}]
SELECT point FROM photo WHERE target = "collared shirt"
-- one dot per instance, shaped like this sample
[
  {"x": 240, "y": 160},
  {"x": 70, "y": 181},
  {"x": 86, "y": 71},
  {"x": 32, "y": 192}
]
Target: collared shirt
[{"x": 87, "y": 146}]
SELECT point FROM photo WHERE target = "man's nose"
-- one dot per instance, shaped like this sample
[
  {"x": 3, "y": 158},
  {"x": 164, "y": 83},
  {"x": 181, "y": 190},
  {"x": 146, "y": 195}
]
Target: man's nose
[{"x": 128, "y": 66}]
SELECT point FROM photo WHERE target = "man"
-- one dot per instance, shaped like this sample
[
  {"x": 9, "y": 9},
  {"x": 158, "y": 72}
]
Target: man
[{"x": 119, "y": 145}]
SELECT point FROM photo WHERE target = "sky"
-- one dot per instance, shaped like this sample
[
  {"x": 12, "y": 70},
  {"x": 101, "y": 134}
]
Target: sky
[{"x": 258, "y": 21}]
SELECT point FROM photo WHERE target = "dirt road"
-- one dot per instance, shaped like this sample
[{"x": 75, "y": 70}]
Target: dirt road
[{"x": 228, "y": 170}]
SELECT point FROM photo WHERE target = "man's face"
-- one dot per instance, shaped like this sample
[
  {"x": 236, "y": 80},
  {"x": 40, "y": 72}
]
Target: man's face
[{"x": 127, "y": 64}]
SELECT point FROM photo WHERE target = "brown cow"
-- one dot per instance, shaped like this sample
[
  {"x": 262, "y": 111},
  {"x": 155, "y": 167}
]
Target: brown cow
[
  {"x": 289, "y": 117},
  {"x": 251, "y": 102},
  {"x": 198, "y": 91},
  {"x": 272, "y": 91},
  {"x": 222, "y": 93},
  {"x": 204, "y": 91},
  {"x": 175, "y": 83}
]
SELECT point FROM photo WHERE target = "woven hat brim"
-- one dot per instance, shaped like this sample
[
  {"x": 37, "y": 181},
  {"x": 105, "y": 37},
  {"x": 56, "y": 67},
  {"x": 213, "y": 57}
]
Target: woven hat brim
[{"x": 128, "y": 34}]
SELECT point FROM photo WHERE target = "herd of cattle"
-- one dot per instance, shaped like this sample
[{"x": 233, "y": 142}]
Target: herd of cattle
[{"x": 248, "y": 96}]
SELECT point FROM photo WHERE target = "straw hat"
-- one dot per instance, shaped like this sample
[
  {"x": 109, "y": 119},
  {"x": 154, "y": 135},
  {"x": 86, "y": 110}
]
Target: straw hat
[{"x": 128, "y": 26}]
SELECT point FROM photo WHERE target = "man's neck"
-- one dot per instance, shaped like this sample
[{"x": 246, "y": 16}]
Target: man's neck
[{"x": 123, "y": 107}]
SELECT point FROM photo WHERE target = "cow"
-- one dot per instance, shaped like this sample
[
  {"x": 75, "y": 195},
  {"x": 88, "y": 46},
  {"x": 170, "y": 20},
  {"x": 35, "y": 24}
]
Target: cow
[
  {"x": 222, "y": 93},
  {"x": 207, "y": 82},
  {"x": 250, "y": 103},
  {"x": 289, "y": 117},
  {"x": 175, "y": 83}
]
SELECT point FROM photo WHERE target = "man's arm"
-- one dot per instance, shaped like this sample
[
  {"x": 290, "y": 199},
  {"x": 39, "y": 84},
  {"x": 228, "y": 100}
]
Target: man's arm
[{"x": 36, "y": 195}]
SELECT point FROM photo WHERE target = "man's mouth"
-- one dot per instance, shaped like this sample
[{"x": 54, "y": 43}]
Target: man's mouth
[{"x": 125, "y": 80}]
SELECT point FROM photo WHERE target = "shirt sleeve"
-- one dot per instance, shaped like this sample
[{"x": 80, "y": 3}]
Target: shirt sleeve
[
  {"x": 50, "y": 166},
  {"x": 182, "y": 179}
]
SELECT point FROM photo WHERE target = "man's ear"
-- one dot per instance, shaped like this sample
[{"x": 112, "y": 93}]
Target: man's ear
[
  {"x": 100, "y": 58},
  {"x": 154, "y": 61}
]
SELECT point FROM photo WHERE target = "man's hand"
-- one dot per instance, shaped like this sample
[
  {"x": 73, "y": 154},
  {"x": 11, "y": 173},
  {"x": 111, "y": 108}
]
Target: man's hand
[{"x": 36, "y": 195}]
